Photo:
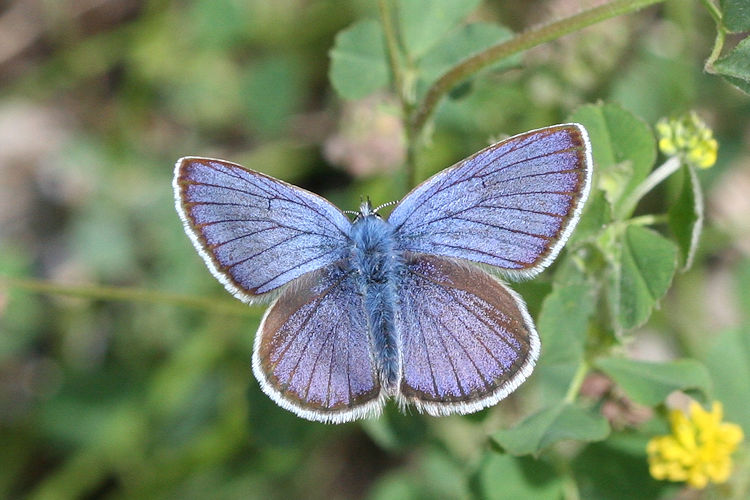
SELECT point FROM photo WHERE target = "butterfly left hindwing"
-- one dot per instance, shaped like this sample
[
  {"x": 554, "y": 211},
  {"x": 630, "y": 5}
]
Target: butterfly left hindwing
[{"x": 313, "y": 351}]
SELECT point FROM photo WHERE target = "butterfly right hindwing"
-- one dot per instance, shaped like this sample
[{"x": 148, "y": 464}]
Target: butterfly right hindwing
[{"x": 467, "y": 340}]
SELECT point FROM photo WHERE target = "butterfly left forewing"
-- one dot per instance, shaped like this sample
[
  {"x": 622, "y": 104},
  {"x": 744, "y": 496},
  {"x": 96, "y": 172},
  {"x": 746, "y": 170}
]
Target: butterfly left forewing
[
  {"x": 254, "y": 232},
  {"x": 313, "y": 352},
  {"x": 467, "y": 341}
]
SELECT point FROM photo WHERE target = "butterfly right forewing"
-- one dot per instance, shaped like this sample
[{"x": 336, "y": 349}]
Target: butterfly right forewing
[{"x": 511, "y": 206}]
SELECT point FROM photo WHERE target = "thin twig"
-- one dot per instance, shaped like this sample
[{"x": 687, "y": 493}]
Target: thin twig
[
  {"x": 97, "y": 292},
  {"x": 523, "y": 41},
  {"x": 655, "y": 178},
  {"x": 577, "y": 382}
]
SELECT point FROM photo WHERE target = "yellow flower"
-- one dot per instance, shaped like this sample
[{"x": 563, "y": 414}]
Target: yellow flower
[
  {"x": 688, "y": 137},
  {"x": 698, "y": 450}
]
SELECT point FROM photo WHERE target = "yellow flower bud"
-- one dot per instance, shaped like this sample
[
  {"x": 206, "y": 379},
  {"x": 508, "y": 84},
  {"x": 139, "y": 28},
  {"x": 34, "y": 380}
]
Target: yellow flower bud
[{"x": 688, "y": 137}]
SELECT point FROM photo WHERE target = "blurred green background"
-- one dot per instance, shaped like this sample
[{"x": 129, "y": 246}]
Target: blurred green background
[{"x": 151, "y": 395}]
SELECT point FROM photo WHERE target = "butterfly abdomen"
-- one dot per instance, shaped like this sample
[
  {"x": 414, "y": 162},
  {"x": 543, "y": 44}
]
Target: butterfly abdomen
[{"x": 378, "y": 265}]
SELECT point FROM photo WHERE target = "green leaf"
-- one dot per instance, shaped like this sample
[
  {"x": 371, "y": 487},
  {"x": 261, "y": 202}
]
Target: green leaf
[
  {"x": 686, "y": 218},
  {"x": 502, "y": 477},
  {"x": 563, "y": 323},
  {"x": 433, "y": 474},
  {"x": 596, "y": 215},
  {"x": 462, "y": 43},
  {"x": 650, "y": 383},
  {"x": 623, "y": 147},
  {"x": 442, "y": 475},
  {"x": 728, "y": 361},
  {"x": 735, "y": 66},
  {"x": 423, "y": 23},
  {"x": 397, "y": 484},
  {"x": 646, "y": 265},
  {"x": 358, "y": 60},
  {"x": 562, "y": 421},
  {"x": 395, "y": 431},
  {"x": 741, "y": 84},
  {"x": 736, "y": 15},
  {"x": 604, "y": 470}
]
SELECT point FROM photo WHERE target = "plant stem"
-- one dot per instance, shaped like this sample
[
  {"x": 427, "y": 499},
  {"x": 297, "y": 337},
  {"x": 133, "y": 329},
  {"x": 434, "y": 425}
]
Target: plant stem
[
  {"x": 526, "y": 40},
  {"x": 662, "y": 172},
  {"x": 392, "y": 48},
  {"x": 721, "y": 34},
  {"x": 713, "y": 10},
  {"x": 648, "y": 220},
  {"x": 577, "y": 382},
  {"x": 96, "y": 292},
  {"x": 407, "y": 105}
]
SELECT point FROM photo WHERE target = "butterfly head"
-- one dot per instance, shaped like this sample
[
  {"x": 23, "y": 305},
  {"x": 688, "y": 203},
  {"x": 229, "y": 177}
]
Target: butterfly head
[{"x": 365, "y": 210}]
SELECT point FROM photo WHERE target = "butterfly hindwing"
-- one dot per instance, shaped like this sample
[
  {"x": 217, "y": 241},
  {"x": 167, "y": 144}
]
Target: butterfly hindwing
[
  {"x": 255, "y": 233},
  {"x": 313, "y": 351},
  {"x": 511, "y": 205},
  {"x": 467, "y": 341}
]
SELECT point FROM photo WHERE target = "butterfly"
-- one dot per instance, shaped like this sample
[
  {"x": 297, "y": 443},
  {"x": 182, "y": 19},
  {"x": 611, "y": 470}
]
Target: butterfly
[{"x": 405, "y": 308}]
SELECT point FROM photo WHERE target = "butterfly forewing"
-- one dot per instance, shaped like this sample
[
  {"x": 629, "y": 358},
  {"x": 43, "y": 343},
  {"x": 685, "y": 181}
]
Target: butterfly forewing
[
  {"x": 255, "y": 233},
  {"x": 511, "y": 205},
  {"x": 467, "y": 340},
  {"x": 313, "y": 351}
]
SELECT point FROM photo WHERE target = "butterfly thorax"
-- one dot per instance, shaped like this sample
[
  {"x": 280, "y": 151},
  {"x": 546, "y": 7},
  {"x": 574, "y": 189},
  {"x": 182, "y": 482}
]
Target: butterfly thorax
[{"x": 378, "y": 263}]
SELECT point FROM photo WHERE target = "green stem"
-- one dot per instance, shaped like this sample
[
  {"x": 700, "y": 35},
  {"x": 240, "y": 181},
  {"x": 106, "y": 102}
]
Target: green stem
[
  {"x": 577, "y": 382},
  {"x": 721, "y": 34},
  {"x": 96, "y": 292},
  {"x": 523, "y": 41},
  {"x": 570, "y": 489},
  {"x": 411, "y": 163},
  {"x": 404, "y": 96},
  {"x": 648, "y": 220},
  {"x": 657, "y": 176},
  {"x": 392, "y": 48},
  {"x": 713, "y": 10}
]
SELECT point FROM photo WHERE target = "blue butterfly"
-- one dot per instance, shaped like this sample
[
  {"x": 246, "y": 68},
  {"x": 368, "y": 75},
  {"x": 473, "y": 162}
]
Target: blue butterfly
[{"x": 374, "y": 309}]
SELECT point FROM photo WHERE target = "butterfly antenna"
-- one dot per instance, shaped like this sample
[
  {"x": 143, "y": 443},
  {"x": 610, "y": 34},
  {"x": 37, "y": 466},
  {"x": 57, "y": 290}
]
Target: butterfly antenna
[{"x": 385, "y": 205}]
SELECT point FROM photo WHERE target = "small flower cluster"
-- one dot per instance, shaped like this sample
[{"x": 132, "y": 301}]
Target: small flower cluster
[
  {"x": 689, "y": 137},
  {"x": 698, "y": 450}
]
